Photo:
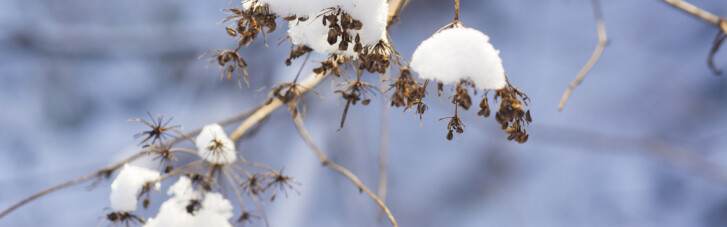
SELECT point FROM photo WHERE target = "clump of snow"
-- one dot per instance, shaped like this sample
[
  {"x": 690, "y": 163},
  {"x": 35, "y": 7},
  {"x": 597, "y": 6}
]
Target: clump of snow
[
  {"x": 214, "y": 146},
  {"x": 312, "y": 33},
  {"x": 127, "y": 185},
  {"x": 214, "y": 210},
  {"x": 457, "y": 54}
]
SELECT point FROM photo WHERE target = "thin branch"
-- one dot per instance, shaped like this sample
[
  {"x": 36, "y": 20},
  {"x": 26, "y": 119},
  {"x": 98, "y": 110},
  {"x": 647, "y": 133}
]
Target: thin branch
[
  {"x": 48, "y": 191},
  {"x": 708, "y": 17},
  {"x": 695, "y": 11},
  {"x": 456, "y": 10},
  {"x": 310, "y": 82},
  {"x": 325, "y": 161},
  {"x": 395, "y": 7},
  {"x": 600, "y": 46},
  {"x": 81, "y": 179}
]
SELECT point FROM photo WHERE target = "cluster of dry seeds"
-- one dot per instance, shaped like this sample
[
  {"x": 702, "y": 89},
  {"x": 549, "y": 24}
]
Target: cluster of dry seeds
[
  {"x": 340, "y": 25},
  {"x": 296, "y": 52},
  {"x": 375, "y": 59},
  {"x": 511, "y": 116},
  {"x": 251, "y": 22},
  {"x": 408, "y": 92},
  {"x": 248, "y": 24}
]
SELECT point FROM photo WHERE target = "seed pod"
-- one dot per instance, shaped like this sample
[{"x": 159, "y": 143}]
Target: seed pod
[
  {"x": 231, "y": 32},
  {"x": 332, "y": 37}
]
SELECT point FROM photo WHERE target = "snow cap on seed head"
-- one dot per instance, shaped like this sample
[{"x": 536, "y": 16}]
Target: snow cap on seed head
[
  {"x": 214, "y": 209},
  {"x": 214, "y": 146},
  {"x": 373, "y": 15},
  {"x": 457, "y": 54},
  {"x": 128, "y": 183}
]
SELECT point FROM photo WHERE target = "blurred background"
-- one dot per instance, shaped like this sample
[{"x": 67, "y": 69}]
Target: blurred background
[{"x": 640, "y": 143}]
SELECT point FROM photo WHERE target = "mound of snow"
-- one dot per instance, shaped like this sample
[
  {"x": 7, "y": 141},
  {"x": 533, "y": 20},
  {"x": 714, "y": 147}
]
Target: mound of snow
[{"x": 457, "y": 54}]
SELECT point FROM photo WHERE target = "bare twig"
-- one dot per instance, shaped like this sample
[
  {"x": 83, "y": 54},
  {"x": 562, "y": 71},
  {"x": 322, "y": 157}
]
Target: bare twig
[
  {"x": 395, "y": 7},
  {"x": 600, "y": 46},
  {"x": 696, "y": 11},
  {"x": 712, "y": 52},
  {"x": 307, "y": 84},
  {"x": 456, "y": 10},
  {"x": 325, "y": 161},
  {"x": 708, "y": 17},
  {"x": 81, "y": 179}
]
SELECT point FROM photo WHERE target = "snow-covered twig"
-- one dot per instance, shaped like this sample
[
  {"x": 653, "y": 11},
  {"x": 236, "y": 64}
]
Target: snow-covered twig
[
  {"x": 600, "y": 46},
  {"x": 325, "y": 161},
  {"x": 108, "y": 170}
]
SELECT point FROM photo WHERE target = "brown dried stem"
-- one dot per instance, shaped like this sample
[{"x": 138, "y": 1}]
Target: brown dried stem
[
  {"x": 310, "y": 82},
  {"x": 715, "y": 20},
  {"x": 395, "y": 7},
  {"x": 72, "y": 182},
  {"x": 600, "y": 46},
  {"x": 325, "y": 161},
  {"x": 696, "y": 11},
  {"x": 456, "y": 10}
]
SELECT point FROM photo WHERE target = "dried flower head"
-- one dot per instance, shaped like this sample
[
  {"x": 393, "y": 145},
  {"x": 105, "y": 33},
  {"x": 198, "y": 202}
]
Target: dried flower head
[
  {"x": 408, "y": 92},
  {"x": 511, "y": 115},
  {"x": 230, "y": 61},
  {"x": 158, "y": 132},
  {"x": 355, "y": 91},
  {"x": 124, "y": 218},
  {"x": 130, "y": 185},
  {"x": 214, "y": 146},
  {"x": 282, "y": 182}
]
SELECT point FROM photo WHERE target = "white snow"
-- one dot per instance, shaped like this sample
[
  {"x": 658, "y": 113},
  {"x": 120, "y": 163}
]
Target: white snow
[
  {"x": 214, "y": 210},
  {"x": 214, "y": 146},
  {"x": 459, "y": 54},
  {"x": 371, "y": 13},
  {"x": 128, "y": 183}
]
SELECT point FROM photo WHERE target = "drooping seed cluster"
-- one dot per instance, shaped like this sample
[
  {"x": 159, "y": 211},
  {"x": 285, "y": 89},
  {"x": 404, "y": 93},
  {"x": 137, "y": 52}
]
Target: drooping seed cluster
[
  {"x": 296, "y": 52},
  {"x": 375, "y": 59},
  {"x": 511, "y": 116},
  {"x": 408, "y": 92},
  {"x": 250, "y": 22}
]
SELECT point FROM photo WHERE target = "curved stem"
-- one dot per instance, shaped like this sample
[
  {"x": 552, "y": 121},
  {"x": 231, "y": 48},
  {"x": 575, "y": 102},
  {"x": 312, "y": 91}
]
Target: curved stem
[
  {"x": 304, "y": 133},
  {"x": 600, "y": 46},
  {"x": 310, "y": 82}
]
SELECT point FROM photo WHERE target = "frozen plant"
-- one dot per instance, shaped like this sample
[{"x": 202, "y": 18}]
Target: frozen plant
[
  {"x": 350, "y": 33},
  {"x": 189, "y": 207},
  {"x": 132, "y": 183},
  {"x": 214, "y": 146}
]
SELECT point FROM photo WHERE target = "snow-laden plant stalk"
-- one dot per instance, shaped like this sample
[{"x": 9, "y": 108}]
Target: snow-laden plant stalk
[{"x": 350, "y": 32}]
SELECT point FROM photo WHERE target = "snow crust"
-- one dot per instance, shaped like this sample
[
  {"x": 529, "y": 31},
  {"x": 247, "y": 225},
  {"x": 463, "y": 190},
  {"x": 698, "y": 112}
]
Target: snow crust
[
  {"x": 128, "y": 183},
  {"x": 214, "y": 210},
  {"x": 214, "y": 146},
  {"x": 459, "y": 54},
  {"x": 372, "y": 14}
]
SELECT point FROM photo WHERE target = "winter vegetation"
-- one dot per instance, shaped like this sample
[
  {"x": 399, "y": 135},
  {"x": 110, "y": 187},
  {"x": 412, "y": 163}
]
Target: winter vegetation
[{"x": 218, "y": 175}]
